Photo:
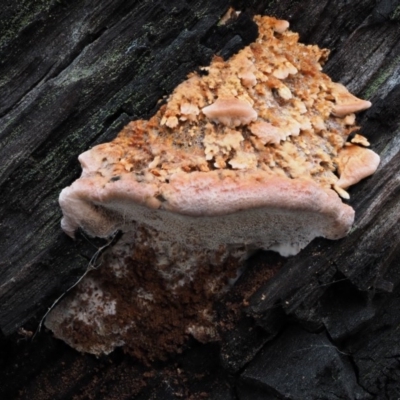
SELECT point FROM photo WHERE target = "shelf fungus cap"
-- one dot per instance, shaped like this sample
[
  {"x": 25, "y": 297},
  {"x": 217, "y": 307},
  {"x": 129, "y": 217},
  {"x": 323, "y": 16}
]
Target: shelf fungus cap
[
  {"x": 280, "y": 26},
  {"x": 347, "y": 103},
  {"x": 354, "y": 164},
  {"x": 231, "y": 112},
  {"x": 230, "y": 162},
  {"x": 251, "y": 209}
]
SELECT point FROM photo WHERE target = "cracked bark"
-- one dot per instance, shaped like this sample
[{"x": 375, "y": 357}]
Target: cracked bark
[{"x": 74, "y": 73}]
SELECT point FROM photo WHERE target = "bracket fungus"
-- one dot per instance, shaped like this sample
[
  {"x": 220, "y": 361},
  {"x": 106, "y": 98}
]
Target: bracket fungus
[{"x": 251, "y": 154}]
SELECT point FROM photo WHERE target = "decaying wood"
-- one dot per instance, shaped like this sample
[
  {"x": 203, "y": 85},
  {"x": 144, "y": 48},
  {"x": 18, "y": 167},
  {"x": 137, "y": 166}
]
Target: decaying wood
[{"x": 71, "y": 75}]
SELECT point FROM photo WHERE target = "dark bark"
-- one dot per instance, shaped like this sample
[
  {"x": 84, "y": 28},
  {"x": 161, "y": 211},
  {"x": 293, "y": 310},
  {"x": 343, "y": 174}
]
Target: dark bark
[{"x": 73, "y": 73}]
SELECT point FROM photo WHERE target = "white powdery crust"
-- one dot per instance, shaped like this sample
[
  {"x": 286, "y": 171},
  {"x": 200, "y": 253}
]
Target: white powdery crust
[{"x": 252, "y": 155}]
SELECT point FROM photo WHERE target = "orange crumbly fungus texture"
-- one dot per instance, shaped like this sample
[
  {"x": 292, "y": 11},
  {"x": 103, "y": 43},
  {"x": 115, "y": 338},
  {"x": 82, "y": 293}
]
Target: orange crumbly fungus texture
[
  {"x": 252, "y": 153},
  {"x": 269, "y": 108}
]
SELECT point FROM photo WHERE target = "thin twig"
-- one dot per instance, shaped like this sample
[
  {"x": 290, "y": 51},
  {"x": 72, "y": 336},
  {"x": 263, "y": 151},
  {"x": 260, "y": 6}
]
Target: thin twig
[{"x": 91, "y": 266}]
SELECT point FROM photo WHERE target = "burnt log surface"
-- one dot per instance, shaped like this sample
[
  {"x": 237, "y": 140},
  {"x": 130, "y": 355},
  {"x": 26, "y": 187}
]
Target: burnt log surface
[{"x": 72, "y": 74}]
